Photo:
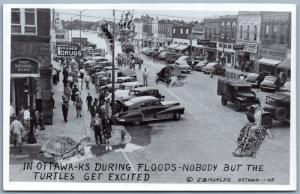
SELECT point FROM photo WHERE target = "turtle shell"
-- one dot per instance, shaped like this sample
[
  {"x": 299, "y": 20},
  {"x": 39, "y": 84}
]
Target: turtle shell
[{"x": 58, "y": 146}]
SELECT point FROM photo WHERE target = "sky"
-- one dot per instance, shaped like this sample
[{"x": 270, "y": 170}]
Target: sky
[{"x": 96, "y": 15}]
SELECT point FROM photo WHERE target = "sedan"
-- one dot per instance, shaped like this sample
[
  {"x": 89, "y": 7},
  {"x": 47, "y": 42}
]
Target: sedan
[
  {"x": 199, "y": 66},
  {"x": 147, "y": 108},
  {"x": 214, "y": 68},
  {"x": 255, "y": 79},
  {"x": 270, "y": 83}
]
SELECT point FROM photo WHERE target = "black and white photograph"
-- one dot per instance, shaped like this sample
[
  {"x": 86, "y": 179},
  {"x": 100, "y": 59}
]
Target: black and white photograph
[{"x": 149, "y": 97}]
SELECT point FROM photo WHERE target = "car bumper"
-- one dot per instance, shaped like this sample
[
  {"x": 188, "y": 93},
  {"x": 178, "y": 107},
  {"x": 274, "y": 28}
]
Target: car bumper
[{"x": 267, "y": 87}]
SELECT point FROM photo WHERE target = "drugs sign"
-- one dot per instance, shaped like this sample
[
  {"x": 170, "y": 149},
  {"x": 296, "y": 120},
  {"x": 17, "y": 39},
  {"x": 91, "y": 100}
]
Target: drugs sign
[{"x": 68, "y": 50}]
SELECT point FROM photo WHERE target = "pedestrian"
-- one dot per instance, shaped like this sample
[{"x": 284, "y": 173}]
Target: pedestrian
[
  {"x": 96, "y": 125},
  {"x": 133, "y": 63},
  {"x": 87, "y": 81},
  {"x": 52, "y": 99},
  {"x": 26, "y": 119},
  {"x": 145, "y": 77},
  {"x": 67, "y": 92},
  {"x": 39, "y": 120},
  {"x": 12, "y": 113},
  {"x": 74, "y": 91},
  {"x": 78, "y": 104},
  {"x": 243, "y": 66},
  {"x": 140, "y": 66},
  {"x": 17, "y": 130},
  {"x": 89, "y": 101},
  {"x": 93, "y": 108},
  {"x": 65, "y": 107},
  {"x": 252, "y": 136},
  {"x": 79, "y": 83},
  {"x": 71, "y": 80},
  {"x": 211, "y": 74},
  {"x": 107, "y": 132},
  {"x": 101, "y": 97}
]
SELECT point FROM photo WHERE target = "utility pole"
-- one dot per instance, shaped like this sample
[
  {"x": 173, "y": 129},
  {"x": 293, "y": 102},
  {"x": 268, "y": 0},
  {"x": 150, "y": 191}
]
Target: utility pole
[
  {"x": 71, "y": 28},
  {"x": 80, "y": 28},
  {"x": 113, "y": 67}
]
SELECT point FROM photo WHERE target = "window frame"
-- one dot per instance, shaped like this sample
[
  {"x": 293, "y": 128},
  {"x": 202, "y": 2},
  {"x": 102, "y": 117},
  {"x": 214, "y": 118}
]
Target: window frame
[{"x": 23, "y": 24}]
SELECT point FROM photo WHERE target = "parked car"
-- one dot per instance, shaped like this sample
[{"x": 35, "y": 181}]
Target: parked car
[
  {"x": 185, "y": 60},
  {"x": 125, "y": 79},
  {"x": 182, "y": 67},
  {"x": 130, "y": 85},
  {"x": 255, "y": 79},
  {"x": 271, "y": 83},
  {"x": 147, "y": 108},
  {"x": 286, "y": 86},
  {"x": 277, "y": 107},
  {"x": 143, "y": 50},
  {"x": 200, "y": 65},
  {"x": 172, "y": 57},
  {"x": 163, "y": 55},
  {"x": 214, "y": 68},
  {"x": 238, "y": 92},
  {"x": 146, "y": 91},
  {"x": 151, "y": 51}
]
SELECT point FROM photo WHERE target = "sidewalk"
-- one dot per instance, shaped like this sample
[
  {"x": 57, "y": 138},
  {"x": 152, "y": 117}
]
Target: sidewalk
[{"x": 75, "y": 128}]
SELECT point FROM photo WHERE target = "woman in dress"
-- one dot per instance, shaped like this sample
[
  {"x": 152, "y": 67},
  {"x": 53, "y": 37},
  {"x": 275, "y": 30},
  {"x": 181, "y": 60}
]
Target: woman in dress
[{"x": 251, "y": 136}]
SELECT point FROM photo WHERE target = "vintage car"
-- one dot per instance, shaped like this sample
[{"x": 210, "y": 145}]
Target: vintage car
[
  {"x": 123, "y": 90},
  {"x": 125, "y": 79},
  {"x": 143, "y": 50},
  {"x": 200, "y": 65},
  {"x": 185, "y": 60},
  {"x": 172, "y": 57},
  {"x": 255, "y": 79},
  {"x": 145, "y": 91},
  {"x": 276, "y": 107},
  {"x": 238, "y": 92},
  {"x": 168, "y": 74},
  {"x": 162, "y": 55},
  {"x": 214, "y": 68},
  {"x": 151, "y": 51},
  {"x": 97, "y": 75},
  {"x": 182, "y": 67},
  {"x": 286, "y": 86},
  {"x": 147, "y": 108},
  {"x": 270, "y": 83}
]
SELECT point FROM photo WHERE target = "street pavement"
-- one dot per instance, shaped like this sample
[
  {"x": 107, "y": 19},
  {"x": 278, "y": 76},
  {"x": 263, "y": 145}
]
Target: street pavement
[{"x": 205, "y": 135}]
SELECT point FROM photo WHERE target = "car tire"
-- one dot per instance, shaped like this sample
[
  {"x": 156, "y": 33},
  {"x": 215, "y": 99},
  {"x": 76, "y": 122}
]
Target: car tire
[
  {"x": 177, "y": 116},
  {"x": 223, "y": 100},
  {"x": 237, "y": 106},
  {"x": 280, "y": 113},
  {"x": 267, "y": 121}
]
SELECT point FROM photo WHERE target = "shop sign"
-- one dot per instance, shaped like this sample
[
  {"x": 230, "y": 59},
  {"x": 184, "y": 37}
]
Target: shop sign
[
  {"x": 274, "y": 51},
  {"x": 24, "y": 67},
  {"x": 238, "y": 47},
  {"x": 68, "y": 50},
  {"x": 250, "y": 47}
]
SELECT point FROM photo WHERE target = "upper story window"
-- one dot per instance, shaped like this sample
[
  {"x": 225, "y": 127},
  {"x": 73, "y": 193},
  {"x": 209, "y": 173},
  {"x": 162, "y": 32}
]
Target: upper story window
[
  {"x": 233, "y": 25},
  {"x": 181, "y": 31},
  {"x": 255, "y": 33},
  {"x": 174, "y": 30},
  {"x": 241, "y": 32},
  {"x": 23, "y": 21},
  {"x": 187, "y": 31},
  {"x": 248, "y": 32}
]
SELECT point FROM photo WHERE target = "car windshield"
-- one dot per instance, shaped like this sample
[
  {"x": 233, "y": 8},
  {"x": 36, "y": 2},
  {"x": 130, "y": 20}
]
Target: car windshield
[{"x": 270, "y": 78}]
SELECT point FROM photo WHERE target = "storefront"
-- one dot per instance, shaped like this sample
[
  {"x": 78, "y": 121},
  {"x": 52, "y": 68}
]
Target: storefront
[
  {"x": 270, "y": 56},
  {"x": 247, "y": 56},
  {"x": 285, "y": 66},
  {"x": 210, "y": 51},
  {"x": 226, "y": 54}
]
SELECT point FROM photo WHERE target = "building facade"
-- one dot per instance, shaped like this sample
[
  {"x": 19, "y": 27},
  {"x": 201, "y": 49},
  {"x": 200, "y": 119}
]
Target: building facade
[
  {"x": 248, "y": 36},
  {"x": 198, "y": 35},
  {"x": 275, "y": 42},
  {"x": 165, "y": 32},
  {"x": 147, "y": 34},
  {"x": 212, "y": 36},
  {"x": 31, "y": 61},
  {"x": 228, "y": 30}
]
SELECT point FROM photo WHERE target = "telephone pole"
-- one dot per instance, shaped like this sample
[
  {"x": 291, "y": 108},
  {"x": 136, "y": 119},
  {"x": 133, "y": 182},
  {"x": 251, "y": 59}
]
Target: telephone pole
[
  {"x": 113, "y": 67},
  {"x": 80, "y": 28}
]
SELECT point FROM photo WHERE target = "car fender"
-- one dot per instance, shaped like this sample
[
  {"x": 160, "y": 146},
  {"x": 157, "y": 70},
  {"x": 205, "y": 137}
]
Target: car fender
[{"x": 173, "y": 109}]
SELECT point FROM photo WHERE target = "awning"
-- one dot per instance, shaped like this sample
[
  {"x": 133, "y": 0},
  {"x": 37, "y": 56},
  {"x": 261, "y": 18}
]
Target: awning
[
  {"x": 270, "y": 62},
  {"x": 56, "y": 65},
  {"x": 286, "y": 64},
  {"x": 182, "y": 47},
  {"x": 172, "y": 46}
]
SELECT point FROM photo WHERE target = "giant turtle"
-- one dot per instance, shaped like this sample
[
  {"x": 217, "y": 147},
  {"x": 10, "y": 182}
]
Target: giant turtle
[{"x": 62, "y": 147}]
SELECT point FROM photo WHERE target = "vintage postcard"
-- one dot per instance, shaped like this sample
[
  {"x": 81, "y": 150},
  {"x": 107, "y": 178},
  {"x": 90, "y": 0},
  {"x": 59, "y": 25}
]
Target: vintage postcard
[{"x": 130, "y": 97}]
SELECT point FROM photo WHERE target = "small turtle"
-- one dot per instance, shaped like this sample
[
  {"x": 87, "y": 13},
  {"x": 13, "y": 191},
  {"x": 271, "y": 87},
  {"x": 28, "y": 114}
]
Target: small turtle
[{"x": 62, "y": 147}]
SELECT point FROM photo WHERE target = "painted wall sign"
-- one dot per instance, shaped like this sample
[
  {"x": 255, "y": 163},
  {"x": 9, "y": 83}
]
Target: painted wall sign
[
  {"x": 25, "y": 67},
  {"x": 68, "y": 50}
]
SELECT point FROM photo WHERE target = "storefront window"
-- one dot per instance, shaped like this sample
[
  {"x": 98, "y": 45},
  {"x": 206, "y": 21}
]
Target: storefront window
[{"x": 15, "y": 21}]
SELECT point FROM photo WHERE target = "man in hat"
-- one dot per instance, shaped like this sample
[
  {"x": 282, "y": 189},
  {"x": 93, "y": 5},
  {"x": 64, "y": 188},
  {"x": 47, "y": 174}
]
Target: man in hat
[{"x": 78, "y": 104}]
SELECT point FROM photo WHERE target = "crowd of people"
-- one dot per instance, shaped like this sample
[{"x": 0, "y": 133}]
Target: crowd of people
[{"x": 99, "y": 107}]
